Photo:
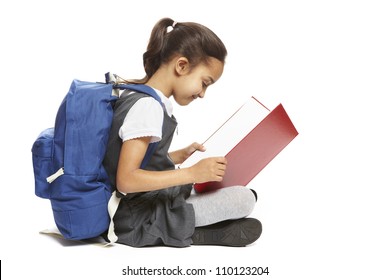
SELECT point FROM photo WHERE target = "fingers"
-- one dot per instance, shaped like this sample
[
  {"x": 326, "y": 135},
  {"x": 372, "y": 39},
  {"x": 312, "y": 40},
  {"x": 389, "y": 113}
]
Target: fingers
[
  {"x": 221, "y": 163},
  {"x": 221, "y": 160},
  {"x": 198, "y": 147},
  {"x": 209, "y": 169}
]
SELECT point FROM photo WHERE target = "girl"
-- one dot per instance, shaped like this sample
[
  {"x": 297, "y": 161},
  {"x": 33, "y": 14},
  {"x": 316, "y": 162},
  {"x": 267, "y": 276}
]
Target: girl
[{"x": 158, "y": 206}]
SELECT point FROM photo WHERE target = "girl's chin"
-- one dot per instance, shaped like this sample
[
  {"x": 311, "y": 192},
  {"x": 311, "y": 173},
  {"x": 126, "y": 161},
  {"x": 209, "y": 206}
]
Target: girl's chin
[{"x": 184, "y": 102}]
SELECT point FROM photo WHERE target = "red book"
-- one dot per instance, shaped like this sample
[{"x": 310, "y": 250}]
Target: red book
[{"x": 249, "y": 139}]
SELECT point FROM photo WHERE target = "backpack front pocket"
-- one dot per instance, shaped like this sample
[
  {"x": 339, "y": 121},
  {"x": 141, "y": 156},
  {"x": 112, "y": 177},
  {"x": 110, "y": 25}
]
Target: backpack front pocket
[{"x": 42, "y": 155}]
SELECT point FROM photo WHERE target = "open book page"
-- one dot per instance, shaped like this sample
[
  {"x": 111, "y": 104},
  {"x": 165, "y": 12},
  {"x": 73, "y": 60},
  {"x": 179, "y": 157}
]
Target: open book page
[{"x": 224, "y": 139}]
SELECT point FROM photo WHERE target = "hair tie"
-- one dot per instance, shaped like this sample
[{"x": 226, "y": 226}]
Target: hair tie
[{"x": 171, "y": 27}]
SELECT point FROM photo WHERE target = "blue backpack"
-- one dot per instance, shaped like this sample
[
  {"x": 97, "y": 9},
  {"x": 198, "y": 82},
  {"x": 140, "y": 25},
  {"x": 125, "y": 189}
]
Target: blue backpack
[{"x": 67, "y": 159}]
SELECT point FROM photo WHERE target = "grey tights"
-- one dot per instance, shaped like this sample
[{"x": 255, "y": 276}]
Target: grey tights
[{"x": 223, "y": 204}]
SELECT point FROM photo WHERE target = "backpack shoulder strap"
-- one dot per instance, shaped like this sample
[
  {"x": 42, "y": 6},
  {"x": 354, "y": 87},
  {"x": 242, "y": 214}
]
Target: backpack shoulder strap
[
  {"x": 113, "y": 79},
  {"x": 139, "y": 88}
]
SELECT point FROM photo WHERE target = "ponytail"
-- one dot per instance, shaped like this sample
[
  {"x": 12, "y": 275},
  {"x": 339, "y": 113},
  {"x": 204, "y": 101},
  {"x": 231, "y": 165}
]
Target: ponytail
[
  {"x": 157, "y": 42},
  {"x": 169, "y": 38}
]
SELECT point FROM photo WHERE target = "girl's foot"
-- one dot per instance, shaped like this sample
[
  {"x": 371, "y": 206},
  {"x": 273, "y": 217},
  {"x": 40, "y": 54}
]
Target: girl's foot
[{"x": 236, "y": 233}]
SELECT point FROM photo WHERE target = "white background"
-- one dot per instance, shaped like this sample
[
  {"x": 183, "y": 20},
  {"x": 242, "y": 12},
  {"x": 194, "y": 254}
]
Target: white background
[{"x": 323, "y": 202}]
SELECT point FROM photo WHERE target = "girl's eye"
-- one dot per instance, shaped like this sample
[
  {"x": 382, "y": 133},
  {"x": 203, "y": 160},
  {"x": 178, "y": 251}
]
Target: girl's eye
[{"x": 204, "y": 85}]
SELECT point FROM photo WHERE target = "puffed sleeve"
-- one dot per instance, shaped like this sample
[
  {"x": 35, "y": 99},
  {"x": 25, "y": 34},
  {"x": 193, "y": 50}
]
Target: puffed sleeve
[{"x": 144, "y": 119}]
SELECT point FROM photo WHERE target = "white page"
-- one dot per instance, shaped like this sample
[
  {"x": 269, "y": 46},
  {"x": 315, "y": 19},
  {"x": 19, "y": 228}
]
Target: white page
[{"x": 231, "y": 132}]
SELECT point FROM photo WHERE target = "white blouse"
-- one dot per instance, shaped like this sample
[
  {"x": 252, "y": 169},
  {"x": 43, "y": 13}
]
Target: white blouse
[{"x": 145, "y": 119}]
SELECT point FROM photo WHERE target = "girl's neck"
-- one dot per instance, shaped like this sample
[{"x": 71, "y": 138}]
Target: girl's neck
[{"x": 161, "y": 81}]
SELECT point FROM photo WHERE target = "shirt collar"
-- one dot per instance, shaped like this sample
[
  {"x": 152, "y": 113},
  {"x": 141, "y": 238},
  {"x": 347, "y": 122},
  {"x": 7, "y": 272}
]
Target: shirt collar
[{"x": 166, "y": 101}]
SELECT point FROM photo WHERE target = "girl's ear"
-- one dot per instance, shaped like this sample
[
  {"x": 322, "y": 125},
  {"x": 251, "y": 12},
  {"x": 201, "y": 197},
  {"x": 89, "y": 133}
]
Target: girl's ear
[{"x": 182, "y": 66}]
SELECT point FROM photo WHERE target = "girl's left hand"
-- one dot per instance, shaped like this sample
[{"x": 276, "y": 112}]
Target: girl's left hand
[
  {"x": 180, "y": 156},
  {"x": 188, "y": 151}
]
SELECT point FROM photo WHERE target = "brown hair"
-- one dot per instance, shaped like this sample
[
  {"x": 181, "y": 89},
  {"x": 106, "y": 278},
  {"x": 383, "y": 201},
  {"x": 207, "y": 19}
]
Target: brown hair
[{"x": 192, "y": 40}]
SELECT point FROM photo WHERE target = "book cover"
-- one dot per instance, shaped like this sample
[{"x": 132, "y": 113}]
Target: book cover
[{"x": 249, "y": 139}]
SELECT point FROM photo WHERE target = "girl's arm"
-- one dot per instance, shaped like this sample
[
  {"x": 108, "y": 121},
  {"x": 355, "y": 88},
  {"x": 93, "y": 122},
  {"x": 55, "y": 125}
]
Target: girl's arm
[
  {"x": 181, "y": 155},
  {"x": 130, "y": 178}
]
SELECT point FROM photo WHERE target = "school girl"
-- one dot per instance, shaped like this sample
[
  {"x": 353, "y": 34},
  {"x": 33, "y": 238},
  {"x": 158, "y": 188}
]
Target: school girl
[{"x": 158, "y": 205}]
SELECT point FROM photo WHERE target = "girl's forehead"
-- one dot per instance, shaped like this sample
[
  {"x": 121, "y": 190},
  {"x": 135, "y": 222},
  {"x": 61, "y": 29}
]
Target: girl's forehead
[{"x": 214, "y": 68}]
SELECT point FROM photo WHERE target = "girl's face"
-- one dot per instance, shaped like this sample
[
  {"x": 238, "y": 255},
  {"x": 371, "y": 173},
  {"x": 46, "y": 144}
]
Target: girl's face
[{"x": 192, "y": 83}]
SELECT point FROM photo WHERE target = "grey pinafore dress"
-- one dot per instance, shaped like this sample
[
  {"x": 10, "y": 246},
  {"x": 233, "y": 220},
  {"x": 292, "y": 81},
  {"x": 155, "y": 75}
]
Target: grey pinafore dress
[{"x": 161, "y": 217}]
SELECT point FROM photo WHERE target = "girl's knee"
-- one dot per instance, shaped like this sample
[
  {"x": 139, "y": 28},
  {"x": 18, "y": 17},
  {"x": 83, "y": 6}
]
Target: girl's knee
[{"x": 244, "y": 199}]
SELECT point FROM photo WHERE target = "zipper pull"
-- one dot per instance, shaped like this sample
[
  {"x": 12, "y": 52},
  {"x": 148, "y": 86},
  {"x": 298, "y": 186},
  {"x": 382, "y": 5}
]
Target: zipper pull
[{"x": 51, "y": 178}]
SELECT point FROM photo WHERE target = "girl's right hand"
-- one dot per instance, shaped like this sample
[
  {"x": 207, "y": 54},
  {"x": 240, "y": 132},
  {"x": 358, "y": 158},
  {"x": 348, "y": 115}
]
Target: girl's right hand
[{"x": 209, "y": 170}]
